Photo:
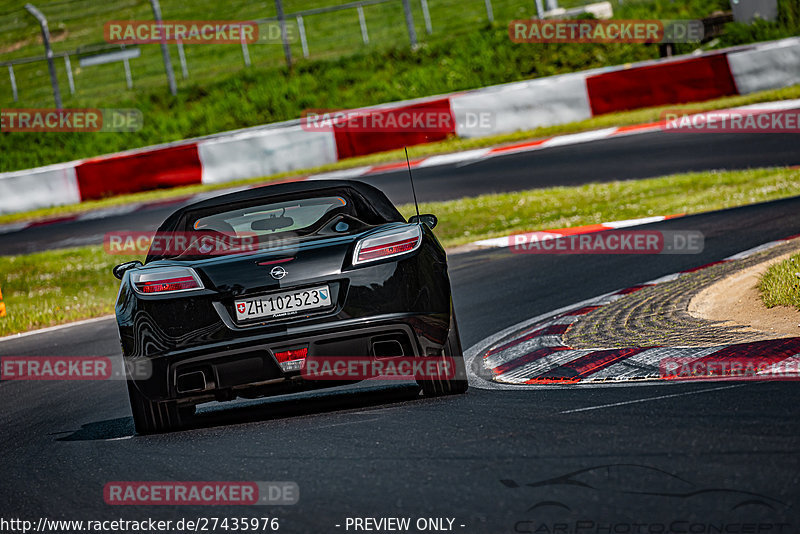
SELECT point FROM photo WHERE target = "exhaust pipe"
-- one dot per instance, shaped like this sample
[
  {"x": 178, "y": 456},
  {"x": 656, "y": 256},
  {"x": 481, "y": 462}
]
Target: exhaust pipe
[
  {"x": 390, "y": 348},
  {"x": 191, "y": 382}
]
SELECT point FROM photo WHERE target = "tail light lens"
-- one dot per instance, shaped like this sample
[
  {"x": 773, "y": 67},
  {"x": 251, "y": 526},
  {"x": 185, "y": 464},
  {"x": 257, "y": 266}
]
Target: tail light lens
[
  {"x": 165, "y": 280},
  {"x": 292, "y": 360},
  {"x": 388, "y": 244}
]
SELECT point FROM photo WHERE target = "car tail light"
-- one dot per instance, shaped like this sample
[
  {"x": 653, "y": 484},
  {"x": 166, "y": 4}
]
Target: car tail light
[
  {"x": 292, "y": 359},
  {"x": 165, "y": 280},
  {"x": 388, "y": 244}
]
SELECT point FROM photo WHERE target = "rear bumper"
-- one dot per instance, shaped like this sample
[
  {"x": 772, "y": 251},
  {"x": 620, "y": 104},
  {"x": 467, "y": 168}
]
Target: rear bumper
[{"x": 248, "y": 368}]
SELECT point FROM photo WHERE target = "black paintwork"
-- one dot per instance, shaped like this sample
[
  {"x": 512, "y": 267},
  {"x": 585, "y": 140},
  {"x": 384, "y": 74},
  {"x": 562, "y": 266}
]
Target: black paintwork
[{"x": 406, "y": 297}]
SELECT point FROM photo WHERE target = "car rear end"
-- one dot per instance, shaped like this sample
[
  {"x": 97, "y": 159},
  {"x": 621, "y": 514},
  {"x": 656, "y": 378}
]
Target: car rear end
[{"x": 222, "y": 327}]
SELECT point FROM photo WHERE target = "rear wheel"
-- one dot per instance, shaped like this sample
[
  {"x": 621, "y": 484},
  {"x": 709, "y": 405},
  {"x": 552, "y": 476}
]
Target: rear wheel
[
  {"x": 451, "y": 351},
  {"x": 153, "y": 417}
]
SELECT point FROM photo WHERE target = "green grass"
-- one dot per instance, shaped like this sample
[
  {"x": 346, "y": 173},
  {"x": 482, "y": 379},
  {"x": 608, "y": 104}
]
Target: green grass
[
  {"x": 780, "y": 285},
  {"x": 262, "y": 95},
  {"x": 56, "y": 287},
  {"x": 787, "y": 25},
  {"x": 487, "y": 216},
  {"x": 60, "y": 286},
  {"x": 464, "y": 52},
  {"x": 78, "y": 24},
  {"x": 450, "y": 145}
]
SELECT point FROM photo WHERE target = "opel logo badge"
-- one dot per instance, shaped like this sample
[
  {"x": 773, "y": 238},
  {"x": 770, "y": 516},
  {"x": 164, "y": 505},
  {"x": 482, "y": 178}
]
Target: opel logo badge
[{"x": 278, "y": 272}]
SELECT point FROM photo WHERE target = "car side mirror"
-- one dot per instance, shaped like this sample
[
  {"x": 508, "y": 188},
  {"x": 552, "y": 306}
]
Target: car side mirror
[
  {"x": 120, "y": 270},
  {"x": 427, "y": 219}
]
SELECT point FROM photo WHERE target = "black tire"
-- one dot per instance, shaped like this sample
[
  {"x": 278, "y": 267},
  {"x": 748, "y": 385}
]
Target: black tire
[
  {"x": 152, "y": 417},
  {"x": 458, "y": 384}
]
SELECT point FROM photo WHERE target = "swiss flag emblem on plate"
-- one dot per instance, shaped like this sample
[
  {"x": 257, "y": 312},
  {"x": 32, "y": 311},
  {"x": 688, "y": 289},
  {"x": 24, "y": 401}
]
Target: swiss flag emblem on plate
[{"x": 241, "y": 307}]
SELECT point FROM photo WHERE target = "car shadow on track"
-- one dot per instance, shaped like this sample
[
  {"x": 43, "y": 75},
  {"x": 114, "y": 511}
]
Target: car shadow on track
[{"x": 262, "y": 410}]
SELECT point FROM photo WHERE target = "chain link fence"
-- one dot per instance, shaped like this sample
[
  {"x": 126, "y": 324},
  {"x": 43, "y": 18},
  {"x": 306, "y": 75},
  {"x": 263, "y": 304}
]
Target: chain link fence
[{"x": 87, "y": 67}]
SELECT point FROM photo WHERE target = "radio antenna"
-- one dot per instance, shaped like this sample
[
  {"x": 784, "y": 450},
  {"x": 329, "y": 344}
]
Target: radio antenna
[{"x": 411, "y": 177}]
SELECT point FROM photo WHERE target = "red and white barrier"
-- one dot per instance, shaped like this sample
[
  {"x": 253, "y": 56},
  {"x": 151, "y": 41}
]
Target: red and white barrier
[
  {"x": 767, "y": 66},
  {"x": 166, "y": 167},
  {"x": 523, "y": 105},
  {"x": 54, "y": 185},
  {"x": 359, "y": 142},
  {"x": 261, "y": 151},
  {"x": 671, "y": 82},
  {"x": 264, "y": 152}
]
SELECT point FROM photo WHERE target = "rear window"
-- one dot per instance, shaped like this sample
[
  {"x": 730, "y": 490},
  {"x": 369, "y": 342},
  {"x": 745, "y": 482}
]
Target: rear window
[
  {"x": 277, "y": 222},
  {"x": 295, "y": 216}
]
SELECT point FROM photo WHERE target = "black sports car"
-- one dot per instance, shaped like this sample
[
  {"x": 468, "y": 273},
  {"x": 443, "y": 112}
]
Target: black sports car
[{"x": 333, "y": 270}]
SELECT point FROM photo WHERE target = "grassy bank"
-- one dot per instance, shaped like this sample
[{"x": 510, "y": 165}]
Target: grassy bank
[
  {"x": 60, "y": 286},
  {"x": 56, "y": 287},
  {"x": 624, "y": 118},
  {"x": 262, "y": 95},
  {"x": 780, "y": 285},
  {"x": 486, "y": 216},
  {"x": 228, "y": 96}
]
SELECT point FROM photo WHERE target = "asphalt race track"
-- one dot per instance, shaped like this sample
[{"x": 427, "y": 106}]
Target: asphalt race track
[
  {"x": 700, "y": 454},
  {"x": 622, "y": 158}
]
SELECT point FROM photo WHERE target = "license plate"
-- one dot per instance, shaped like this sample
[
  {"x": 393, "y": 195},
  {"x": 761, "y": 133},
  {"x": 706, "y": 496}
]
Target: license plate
[{"x": 282, "y": 304}]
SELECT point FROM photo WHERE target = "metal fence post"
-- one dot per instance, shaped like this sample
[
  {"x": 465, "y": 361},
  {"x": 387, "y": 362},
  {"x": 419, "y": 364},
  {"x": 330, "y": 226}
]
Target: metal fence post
[
  {"x": 182, "y": 57},
  {"x": 301, "y": 27},
  {"x": 13, "y": 82},
  {"x": 245, "y": 52},
  {"x": 128, "y": 77},
  {"x": 173, "y": 88},
  {"x": 539, "y": 9},
  {"x": 127, "y": 65},
  {"x": 412, "y": 32},
  {"x": 426, "y": 14},
  {"x": 48, "y": 51},
  {"x": 552, "y": 4},
  {"x": 489, "y": 10},
  {"x": 363, "y": 22},
  {"x": 68, "y": 65},
  {"x": 287, "y": 50}
]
